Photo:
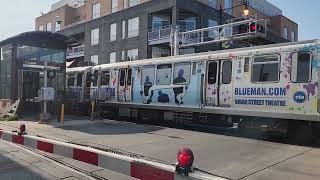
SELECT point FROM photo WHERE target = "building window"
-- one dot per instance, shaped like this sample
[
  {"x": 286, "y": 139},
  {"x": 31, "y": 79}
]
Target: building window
[
  {"x": 164, "y": 73},
  {"x": 113, "y": 57},
  {"x": 123, "y": 34},
  {"x": 113, "y": 32},
  {"x": 212, "y": 23},
  {"x": 228, "y": 6},
  {"x": 94, "y": 60},
  {"x": 95, "y": 10},
  {"x": 132, "y": 54},
  {"x": 301, "y": 67},
  {"x": 160, "y": 51},
  {"x": 58, "y": 26},
  {"x": 40, "y": 28},
  {"x": 265, "y": 69},
  {"x": 133, "y": 27},
  {"x": 95, "y": 36},
  {"x": 123, "y": 56},
  {"x": 49, "y": 26},
  {"x": 212, "y": 3},
  {"x": 133, "y": 2},
  {"x": 293, "y": 36},
  {"x": 114, "y": 6},
  {"x": 285, "y": 32},
  {"x": 160, "y": 21}
]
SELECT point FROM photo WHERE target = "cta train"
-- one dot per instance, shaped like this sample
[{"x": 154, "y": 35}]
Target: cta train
[{"x": 271, "y": 88}]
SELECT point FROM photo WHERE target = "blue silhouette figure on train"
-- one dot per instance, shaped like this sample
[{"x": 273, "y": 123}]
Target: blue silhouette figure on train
[
  {"x": 163, "y": 98},
  {"x": 145, "y": 93},
  {"x": 179, "y": 91}
]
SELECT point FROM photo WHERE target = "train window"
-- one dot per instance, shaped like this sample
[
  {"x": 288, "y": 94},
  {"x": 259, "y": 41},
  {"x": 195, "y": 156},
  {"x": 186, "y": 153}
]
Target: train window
[
  {"x": 122, "y": 77},
  {"x": 212, "y": 73},
  {"x": 105, "y": 78},
  {"x": 71, "y": 80},
  {"x": 182, "y": 73},
  {"x": 79, "y": 79},
  {"x": 129, "y": 77},
  {"x": 164, "y": 72},
  {"x": 301, "y": 67},
  {"x": 94, "y": 78},
  {"x": 265, "y": 69},
  {"x": 147, "y": 76},
  {"x": 226, "y": 72},
  {"x": 194, "y": 68},
  {"x": 246, "y": 64}
]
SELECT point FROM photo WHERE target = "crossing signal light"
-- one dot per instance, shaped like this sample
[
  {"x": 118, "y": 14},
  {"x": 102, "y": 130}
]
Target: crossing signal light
[{"x": 250, "y": 28}]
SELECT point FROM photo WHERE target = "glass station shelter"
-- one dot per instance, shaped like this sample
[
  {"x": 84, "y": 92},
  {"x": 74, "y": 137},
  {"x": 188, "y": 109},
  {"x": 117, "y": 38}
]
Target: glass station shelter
[{"x": 24, "y": 61}]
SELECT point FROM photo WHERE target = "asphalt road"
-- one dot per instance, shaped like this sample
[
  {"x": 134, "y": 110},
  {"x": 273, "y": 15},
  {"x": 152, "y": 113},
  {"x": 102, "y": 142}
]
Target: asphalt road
[{"x": 227, "y": 156}]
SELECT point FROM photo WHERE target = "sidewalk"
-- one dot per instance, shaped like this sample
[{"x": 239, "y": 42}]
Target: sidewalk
[{"x": 227, "y": 156}]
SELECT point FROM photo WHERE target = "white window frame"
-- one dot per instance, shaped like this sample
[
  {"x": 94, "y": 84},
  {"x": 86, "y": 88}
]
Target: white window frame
[
  {"x": 94, "y": 39},
  {"x": 96, "y": 8},
  {"x": 123, "y": 33},
  {"x": 123, "y": 56},
  {"x": 266, "y": 62},
  {"x": 285, "y": 32},
  {"x": 94, "y": 59},
  {"x": 113, "y": 57},
  {"x": 130, "y": 57},
  {"x": 49, "y": 26},
  {"x": 57, "y": 26},
  {"x": 133, "y": 27},
  {"x": 114, "y": 6},
  {"x": 41, "y": 28},
  {"x": 113, "y": 32}
]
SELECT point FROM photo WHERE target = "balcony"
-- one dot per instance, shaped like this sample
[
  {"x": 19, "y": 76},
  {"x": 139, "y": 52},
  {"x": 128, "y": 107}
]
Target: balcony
[
  {"x": 159, "y": 35},
  {"x": 75, "y": 52}
]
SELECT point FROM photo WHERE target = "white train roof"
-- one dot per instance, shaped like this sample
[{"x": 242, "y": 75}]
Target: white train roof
[
  {"x": 77, "y": 69},
  {"x": 201, "y": 56}
]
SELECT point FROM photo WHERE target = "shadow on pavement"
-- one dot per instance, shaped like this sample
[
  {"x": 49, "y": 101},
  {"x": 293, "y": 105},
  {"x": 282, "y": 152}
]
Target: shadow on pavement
[{"x": 110, "y": 128}]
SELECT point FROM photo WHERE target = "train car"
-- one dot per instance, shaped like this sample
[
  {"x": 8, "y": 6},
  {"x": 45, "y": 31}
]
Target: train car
[{"x": 273, "y": 88}]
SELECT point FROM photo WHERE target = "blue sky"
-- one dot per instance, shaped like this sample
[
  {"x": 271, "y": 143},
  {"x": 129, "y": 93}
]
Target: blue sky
[{"x": 17, "y": 16}]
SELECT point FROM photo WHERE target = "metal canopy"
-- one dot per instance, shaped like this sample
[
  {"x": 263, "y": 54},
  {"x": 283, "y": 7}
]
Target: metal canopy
[{"x": 43, "y": 39}]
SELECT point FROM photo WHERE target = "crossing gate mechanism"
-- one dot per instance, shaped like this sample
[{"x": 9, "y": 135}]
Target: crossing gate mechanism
[{"x": 129, "y": 166}]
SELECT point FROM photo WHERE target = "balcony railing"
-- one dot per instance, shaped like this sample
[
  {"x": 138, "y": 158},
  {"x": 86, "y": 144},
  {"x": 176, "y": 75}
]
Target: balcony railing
[
  {"x": 159, "y": 35},
  {"x": 75, "y": 52}
]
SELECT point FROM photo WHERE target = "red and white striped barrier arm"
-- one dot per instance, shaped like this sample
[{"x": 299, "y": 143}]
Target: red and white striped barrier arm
[{"x": 133, "y": 167}]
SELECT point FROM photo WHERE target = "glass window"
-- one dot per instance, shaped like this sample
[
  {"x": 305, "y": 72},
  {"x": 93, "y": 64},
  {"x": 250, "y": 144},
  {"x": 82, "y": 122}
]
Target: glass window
[
  {"x": 301, "y": 67},
  {"x": 71, "y": 79},
  {"x": 94, "y": 78},
  {"x": 212, "y": 23},
  {"x": 212, "y": 73},
  {"x": 95, "y": 36},
  {"x": 160, "y": 21},
  {"x": 293, "y": 36},
  {"x": 49, "y": 26},
  {"x": 95, "y": 10},
  {"x": 122, "y": 77},
  {"x": 114, "y": 6},
  {"x": 40, "y": 28},
  {"x": 285, "y": 32},
  {"x": 123, "y": 34},
  {"x": 212, "y": 3},
  {"x": 58, "y": 26},
  {"x": 123, "y": 56},
  {"x": 133, "y": 2},
  {"x": 160, "y": 51},
  {"x": 105, "y": 78},
  {"x": 132, "y": 54},
  {"x": 265, "y": 68},
  {"x": 79, "y": 79},
  {"x": 113, "y": 57},
  {"x": 147, "y": 76},
  {"x": 228, "y": 4},
  {"x": 113, "y": 32},
  {"x": 181, "y": 73},
  {"x": 133, "y": 27},
  {"x": 129, "y": 77},
  {"x": 226, "y": 72},
  {"x": 164, "y": 74},
  {"x": 94, "y": 60}
]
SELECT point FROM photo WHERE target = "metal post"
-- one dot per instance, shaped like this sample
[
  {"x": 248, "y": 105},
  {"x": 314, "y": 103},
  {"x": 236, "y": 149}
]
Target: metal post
[
  {"x": 176, "y": 42},
  {"x": 45, "y": 85}
]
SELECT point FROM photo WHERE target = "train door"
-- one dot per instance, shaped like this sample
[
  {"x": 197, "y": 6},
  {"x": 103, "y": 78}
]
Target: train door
[
  {"x": 124, "y": 86},
  {"x": 219, "y": 86}
]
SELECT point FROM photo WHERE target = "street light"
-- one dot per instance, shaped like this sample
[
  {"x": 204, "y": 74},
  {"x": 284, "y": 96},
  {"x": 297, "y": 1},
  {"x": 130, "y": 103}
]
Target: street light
[{"x": 246, "y": 10}]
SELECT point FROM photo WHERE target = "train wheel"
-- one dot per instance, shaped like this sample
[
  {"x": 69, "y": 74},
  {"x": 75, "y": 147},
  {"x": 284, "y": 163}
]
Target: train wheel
[{"x": 299, "y": 133}]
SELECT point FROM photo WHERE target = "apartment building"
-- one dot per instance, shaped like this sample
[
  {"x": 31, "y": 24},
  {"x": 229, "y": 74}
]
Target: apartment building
[{"x": 125, "y": 30}]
